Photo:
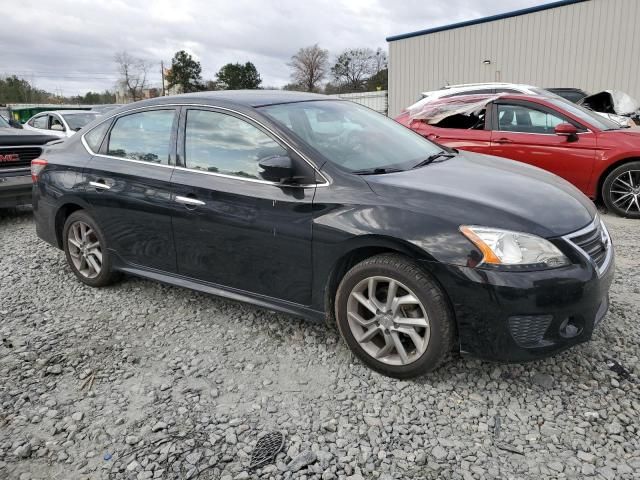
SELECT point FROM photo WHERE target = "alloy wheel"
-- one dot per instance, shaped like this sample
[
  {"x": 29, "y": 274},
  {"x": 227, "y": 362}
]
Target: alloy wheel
[
  {"x": 84, "y": 249},
  {"x": 625, "y": 191},
  {"x": 388, "y": 320}
]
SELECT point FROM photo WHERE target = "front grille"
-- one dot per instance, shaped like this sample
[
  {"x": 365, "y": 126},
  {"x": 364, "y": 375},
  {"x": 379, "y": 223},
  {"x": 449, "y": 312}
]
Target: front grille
[
  {"x": 24, "y": 154},
  {"x": 528, "y": 330},
  {"x": 594, "y": 242}
]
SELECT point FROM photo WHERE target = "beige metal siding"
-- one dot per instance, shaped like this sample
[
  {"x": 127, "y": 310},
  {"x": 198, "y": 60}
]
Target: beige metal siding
[{"x": 593, "y": 45}]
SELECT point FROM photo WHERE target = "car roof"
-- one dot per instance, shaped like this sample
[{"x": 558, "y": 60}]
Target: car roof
[
  {"x": 246, "y": 98},
  {"x": 451, "y": 89},
  {"x": 65, "y": 112},
  {"x": 72, "y": 112},
  {"x": 488, "y": 84},
  {"x": 497, "y": 96}
]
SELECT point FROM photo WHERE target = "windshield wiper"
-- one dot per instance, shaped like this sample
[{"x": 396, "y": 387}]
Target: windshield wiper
[
  {"x": 376, "y": 171},
  {"x": 435, "y": 156}
]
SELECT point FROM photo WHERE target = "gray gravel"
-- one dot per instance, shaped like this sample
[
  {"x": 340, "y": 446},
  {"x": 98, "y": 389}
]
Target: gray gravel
[{"x": 142, "y": 380}]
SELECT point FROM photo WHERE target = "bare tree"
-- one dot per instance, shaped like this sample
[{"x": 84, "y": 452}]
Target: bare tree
[
  {"x": 354, "y": 66},
  {"x": 380, "y": 61},
  {"x": 133, "y": 75},
  {"x": 310, "y": 66}
]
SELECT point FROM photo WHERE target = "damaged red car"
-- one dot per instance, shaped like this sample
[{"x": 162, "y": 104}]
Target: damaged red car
[{"x": 598, "y": 156}]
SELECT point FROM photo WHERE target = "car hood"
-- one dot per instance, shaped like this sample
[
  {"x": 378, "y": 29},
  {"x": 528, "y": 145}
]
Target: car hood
[
  {"x": 17, "y": 137},
  {"x": 476, "y": 189}
]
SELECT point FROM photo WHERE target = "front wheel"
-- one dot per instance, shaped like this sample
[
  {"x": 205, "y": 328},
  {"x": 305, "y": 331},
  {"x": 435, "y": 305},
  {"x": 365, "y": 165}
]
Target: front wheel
[
  {"x": 86, "y": 250},
  {"x": 621, "y": 190},
  {"x": 394, "y": 317}
]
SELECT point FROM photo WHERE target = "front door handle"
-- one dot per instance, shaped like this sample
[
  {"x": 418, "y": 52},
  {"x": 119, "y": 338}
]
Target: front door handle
[
  {"x": 100, "y": 185},
  {"x": 433, "y": 136},
  {"x": 503, "y": 140},
  {"x": 189, "y": 201}
]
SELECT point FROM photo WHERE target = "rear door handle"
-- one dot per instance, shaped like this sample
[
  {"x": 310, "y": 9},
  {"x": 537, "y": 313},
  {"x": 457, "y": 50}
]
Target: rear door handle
[
  {"x": 189, "y": 201},
  {"x": 433, "y": 136},
  {"x": 100, "y": 185},
  {"x": 503, "y": 140}
]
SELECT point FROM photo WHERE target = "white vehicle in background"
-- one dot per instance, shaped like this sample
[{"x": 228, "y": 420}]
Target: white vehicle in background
[
  {"x": 498, "y": 88},
  {"x": 61, "y": 123}
]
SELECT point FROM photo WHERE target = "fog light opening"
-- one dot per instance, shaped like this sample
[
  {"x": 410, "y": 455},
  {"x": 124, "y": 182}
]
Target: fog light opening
[{"x": 569, "y": 329}]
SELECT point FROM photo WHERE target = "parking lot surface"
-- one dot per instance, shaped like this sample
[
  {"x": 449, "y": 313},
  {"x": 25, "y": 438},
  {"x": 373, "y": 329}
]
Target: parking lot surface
[{"x": 142, "y": 380}]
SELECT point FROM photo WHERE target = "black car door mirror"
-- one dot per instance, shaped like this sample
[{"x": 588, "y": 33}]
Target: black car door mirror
[{"x": 277, "y": 168}]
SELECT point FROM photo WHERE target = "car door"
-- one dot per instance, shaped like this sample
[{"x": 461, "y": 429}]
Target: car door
[
  {"x": 40, "y": 123},
  {"x": 128, "y": 185},
  {"x": 524, "y": 131},
  {"x": 232, "y": 228}
]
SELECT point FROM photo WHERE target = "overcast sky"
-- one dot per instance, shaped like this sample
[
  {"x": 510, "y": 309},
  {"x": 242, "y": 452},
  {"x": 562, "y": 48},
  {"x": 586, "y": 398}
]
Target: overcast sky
[{"x": 67, "y": 46}]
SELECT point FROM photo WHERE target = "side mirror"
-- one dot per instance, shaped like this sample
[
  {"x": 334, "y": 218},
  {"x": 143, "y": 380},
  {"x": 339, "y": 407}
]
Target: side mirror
[
  {"x": 57, "y": 128},
  {"x": 567, "y": 130},
  {"x": 278, "y": 168}
]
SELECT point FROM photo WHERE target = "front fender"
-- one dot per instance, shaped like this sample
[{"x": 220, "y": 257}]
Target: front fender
[{"x": 340, "y": 230}]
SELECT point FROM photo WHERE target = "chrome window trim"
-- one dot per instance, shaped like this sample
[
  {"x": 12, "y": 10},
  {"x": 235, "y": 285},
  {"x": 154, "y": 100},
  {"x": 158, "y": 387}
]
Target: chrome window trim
[
  {"x": 215, "y": 107},
  {"x": 533, "y": 133},
  {"x": 254, "y": 180},
  {"x": 609, "y": 246},
  {"x": 86, "y": 146}
]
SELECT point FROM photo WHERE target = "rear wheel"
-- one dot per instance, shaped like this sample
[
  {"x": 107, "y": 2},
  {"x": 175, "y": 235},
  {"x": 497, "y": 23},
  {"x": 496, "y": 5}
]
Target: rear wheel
[
  {"x": 394, "y": 317},
  {"x": 86, "y": 252},
  {"x": 621, "y": 190}
]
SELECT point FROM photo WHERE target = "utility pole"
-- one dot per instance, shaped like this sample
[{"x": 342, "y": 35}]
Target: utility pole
[{"x": 162, "y": 74}]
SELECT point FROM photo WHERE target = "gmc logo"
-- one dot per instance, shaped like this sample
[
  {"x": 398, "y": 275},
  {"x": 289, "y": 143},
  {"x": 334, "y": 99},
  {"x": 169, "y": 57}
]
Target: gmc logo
[{"x": 9, "y": 157}]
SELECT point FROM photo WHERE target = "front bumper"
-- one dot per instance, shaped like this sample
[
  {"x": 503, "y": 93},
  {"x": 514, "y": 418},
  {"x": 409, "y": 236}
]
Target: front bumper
[
  {"x": 520, "y": 316},
  {"x": 15, "y": 190}
]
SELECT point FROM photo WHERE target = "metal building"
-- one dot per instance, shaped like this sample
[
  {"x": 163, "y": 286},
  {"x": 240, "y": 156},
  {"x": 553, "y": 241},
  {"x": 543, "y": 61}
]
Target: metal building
[{"x": 589, "y": 44}]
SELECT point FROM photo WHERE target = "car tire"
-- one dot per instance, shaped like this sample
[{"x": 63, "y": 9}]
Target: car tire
[
  {"x": 617, "y": 184},
  {"x": 86, "y": 250},
  {"x": 403, "y": 335}
]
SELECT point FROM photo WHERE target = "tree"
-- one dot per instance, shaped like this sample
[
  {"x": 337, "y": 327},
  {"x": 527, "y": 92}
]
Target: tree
[
  {"x": 94, "y": 98},
  {"x": 19, "y": 90},
  {"x": 234, "y": 76},
  {"x": 310, "y": 66},
  {"x": 354, "y": 66},
  {"x": 185, "y": 72},
  {"x": 294, "y": 87},
  {"x": 380, "y": 61},
  {"x": 210, "y": 85},
  {"x": 379, "y": 81},
  {"x": 133, "y": 75}
]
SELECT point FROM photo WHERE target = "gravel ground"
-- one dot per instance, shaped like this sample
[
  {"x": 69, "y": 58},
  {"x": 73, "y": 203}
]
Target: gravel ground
[{"x": 142, "y": 380}]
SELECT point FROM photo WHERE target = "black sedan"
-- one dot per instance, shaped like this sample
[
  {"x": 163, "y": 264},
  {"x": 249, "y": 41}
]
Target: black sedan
[{"x": 325, "y": 209}]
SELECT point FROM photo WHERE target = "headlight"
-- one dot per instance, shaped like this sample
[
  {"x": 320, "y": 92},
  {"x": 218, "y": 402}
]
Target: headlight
[{"x": 503, "y": 247}]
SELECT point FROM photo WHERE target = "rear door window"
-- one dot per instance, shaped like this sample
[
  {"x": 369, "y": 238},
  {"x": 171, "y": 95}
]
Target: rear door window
[
  {"x": 40, "y": 122},
  {"x": 95, "y": 136},
  {"x": 143, "y": 136}
]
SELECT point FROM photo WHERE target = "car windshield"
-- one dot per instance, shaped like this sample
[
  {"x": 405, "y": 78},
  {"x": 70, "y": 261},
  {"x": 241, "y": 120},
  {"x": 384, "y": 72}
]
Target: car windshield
[
  {"x": 352, "y": 136},
  {"x": 4, "y": 123},
  {"x": 78, "y": 120},
  {"x": 584, "y": 114}
]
